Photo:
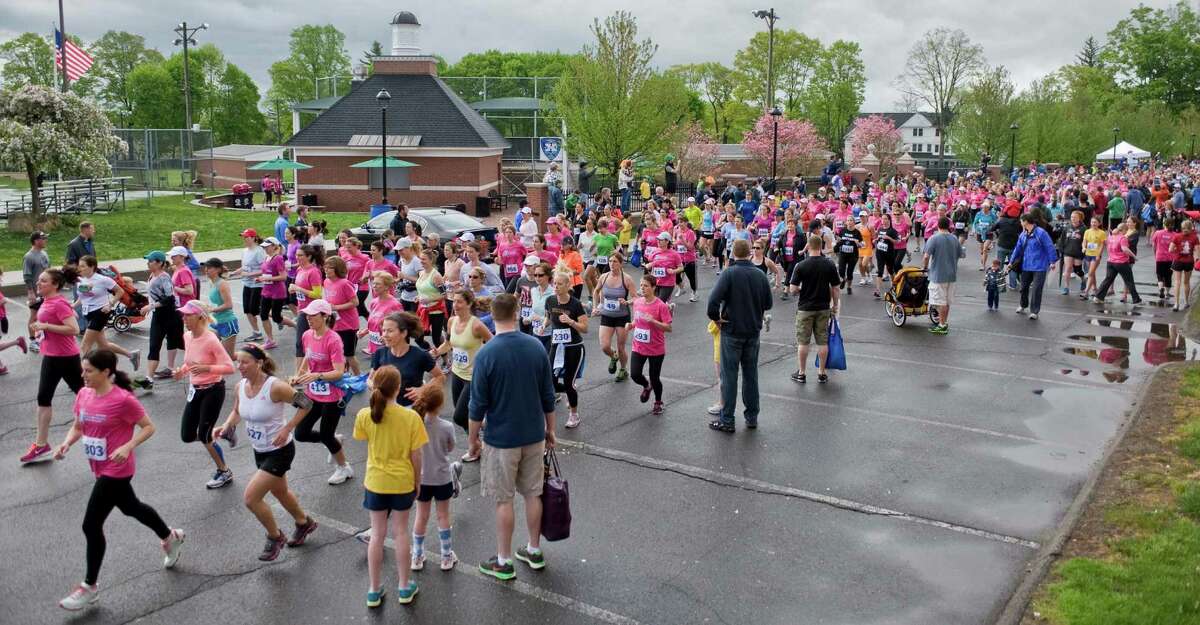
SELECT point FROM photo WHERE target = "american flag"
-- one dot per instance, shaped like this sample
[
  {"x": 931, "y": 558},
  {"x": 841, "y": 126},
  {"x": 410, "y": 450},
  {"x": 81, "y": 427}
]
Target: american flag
[{"x": 78, "y": 61}]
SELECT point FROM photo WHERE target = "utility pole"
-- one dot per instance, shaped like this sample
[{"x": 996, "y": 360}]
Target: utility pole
[
  {"x": 770, "y": 16},
  {"x": 62, "y": 50}
]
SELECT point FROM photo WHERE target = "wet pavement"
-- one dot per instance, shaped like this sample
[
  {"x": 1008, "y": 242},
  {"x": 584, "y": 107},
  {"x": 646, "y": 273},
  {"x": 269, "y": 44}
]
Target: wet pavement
[{"x": 913, "y": 488}]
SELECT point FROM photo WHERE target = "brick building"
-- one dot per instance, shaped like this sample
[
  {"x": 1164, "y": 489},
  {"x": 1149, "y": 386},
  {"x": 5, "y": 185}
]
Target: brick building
[
  {"x": 228, "y": 165},
  {"x": 457, "y": 151}
]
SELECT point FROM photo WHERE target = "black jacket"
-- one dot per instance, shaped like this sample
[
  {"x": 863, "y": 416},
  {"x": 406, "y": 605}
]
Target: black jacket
[
  {"x": 78, "y": 248},
  {"x": 741, "y": 296},
  {"x": 1007, "y": 231}
]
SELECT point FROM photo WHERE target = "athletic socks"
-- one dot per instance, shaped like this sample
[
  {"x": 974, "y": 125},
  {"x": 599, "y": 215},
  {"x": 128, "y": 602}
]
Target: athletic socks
[
  {"x": 444, "y": 539},
  {"x": 418, "y": 544},
  {"x": 532, "y": 550}
]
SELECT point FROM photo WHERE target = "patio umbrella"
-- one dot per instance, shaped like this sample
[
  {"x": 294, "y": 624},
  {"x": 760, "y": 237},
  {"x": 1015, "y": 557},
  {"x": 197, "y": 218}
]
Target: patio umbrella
[
  {"x": 391, "y": 162},
  {"x": 279, "y": 164}
]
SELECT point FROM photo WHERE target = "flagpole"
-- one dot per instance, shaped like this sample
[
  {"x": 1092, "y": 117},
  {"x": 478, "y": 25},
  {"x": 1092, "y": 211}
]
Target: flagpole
[{"x": 62, "y": 48}]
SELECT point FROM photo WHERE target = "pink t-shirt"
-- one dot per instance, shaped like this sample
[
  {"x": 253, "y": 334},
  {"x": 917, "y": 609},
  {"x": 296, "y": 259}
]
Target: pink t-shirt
[
  {"x": 1116, "y": 254},
  {"x": 685, "y": 244},
  {"x": 511, "y": 255},
  {"x": 384, "y": 265},
  {"x": 548, "y": 257},
  {"x": 648, "y": 340},
  {"x": 322, "y": 353},
  {"x": 554, "y": 241},
  {"x": 356, "y": 268},
  {"x": 106, "y": 422},
  {"x": 308, "y": 278},
  {"x": 181, "y": 278},
  {"x": 1162, "y": 245},
  {"x": 762, "y": 227},
  {"x": 55, "y": 310},
  {"x": 379, "y": 308},
  {"x": 339, "y": 292},
  {"x": 275, "y": 266},
  {"x": 663, "y": 266},
  {"x": 903, "y": 226},
  {"x": 206, "y": 350}
]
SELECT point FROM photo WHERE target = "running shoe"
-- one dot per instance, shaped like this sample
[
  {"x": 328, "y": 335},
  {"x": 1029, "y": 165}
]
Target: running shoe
[
  {"x": 822, "y": 378},
  {"x": 272, "y": 548},
  {"x": 455, "y": 479},
  {"x": 375, "y": 598},
  {"x": 231, "y": 436},
  {"x": 364, "y": 536},
  {"x": 612, "y": 365},
  {"x": 783, "y": 296},
  {"x": 416, "y": 562},
  {"x": 35, "y": 346},
  {"x": 1022, "y": 310},
  {"x": 799, "y": 378},
  {"x": 300, "y": 534},
  {"x": 536, "y": 561},
  {"x": 23, "y": 344},
  {"x": 256, "y": 336},
  {"x": 341, "y": 474},
  {"x": 162, "y": 374},
  {"x": 135, "y": 359},
  {"x": 448, "y": 561},
  {"x": 270, "y": 345},
  {"x": 219, "y": 478},
  {"x": 677, "y": 292},
  {"x": 573, "y": 419},
  {"x": 493, "y": 567},
  {"x": 622, "y": 375},
  {"x": 657, "y": 409},
  {"x": 715, "y": 409},
  {"x": 939, "y": 329},
  {"x": 1066, "y": 291},
  {"x": 645, "y": 396},
  {"x": 36, "y": 453},
  {"x": 329, "y": 454},
  {"x": 1033, "y": 316},
  {"x": 693, "y": 297},
  {"x": 721, "y": 427},
  {"x": 144, "y": 384},
  {"x": 80, "y": 598},
  {"x": 408, "y": 593},
  {"x": 173, "y": 547},
  {"x": 469, "y": 457}
]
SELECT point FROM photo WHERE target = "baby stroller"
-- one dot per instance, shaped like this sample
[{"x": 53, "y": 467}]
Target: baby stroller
[
  {"x": 128, "y": 310},
  {"x": 908, "y": 296}
]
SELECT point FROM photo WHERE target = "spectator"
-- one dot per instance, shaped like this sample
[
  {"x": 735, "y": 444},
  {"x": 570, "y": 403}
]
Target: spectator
[
  {"x": 281, "y": 222},
  {"x": 815, "y": 282},
  {"x": 36, "y": 261},
  {"x": 1036, "y": 252},
  {"x": 399, "y": 223},
  {"x": 738, "y": 302},
  {"x": 82, "y": 245},
  {"x": 942, "y": 252}
]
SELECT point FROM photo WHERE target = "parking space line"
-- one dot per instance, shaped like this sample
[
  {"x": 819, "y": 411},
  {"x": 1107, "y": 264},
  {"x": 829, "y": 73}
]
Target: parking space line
[
  {"x": 761, "y": 486},
  {"x": 525, "y": 588}
]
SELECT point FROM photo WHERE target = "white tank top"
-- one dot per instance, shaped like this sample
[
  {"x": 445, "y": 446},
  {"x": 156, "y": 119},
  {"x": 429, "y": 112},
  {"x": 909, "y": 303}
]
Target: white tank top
[{"x": 263, "y": 417}]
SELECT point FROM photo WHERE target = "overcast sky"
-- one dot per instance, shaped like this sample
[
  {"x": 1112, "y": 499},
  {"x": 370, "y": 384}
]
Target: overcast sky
[{"x": 1030, "y": 37}]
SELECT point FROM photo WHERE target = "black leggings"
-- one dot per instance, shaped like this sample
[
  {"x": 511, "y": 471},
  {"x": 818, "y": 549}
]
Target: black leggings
[
  {"x": 636, "y": 361},
  {"x": 201, "y": 413},
  {"x": 328, "y": 413},
  {"x": 109, "y": 493},
  {"x": 719, "y": 252},
  {"x": 165, "y": 324},
  {"x": 846, "y": 265},
  {"x": 664, "y": 293},
  {"x": 689, "y": 271},
  {"x": 1125, "y": 270},
  {"x": 885, "y": 263},
  {"x": 57, "y": 369},
  {"x": 272, "y": 309},
  {"x": 572, "y": 360},
  {"x": 460, "y": 393}
]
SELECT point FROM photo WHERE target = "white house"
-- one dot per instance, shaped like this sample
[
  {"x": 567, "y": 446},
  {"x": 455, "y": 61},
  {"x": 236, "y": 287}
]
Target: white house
[{"x": 920, "y": 138}]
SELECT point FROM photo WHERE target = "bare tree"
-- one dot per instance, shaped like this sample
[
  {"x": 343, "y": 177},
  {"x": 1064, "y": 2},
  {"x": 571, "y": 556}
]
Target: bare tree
[
  {"x": 939, "y": 66},
  {"x": 905, "y": 103}
]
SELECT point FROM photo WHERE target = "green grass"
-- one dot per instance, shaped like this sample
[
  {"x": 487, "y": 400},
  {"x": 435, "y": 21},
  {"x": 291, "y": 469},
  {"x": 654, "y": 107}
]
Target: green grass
[
  {"x": 16, "y": 183},
  {"x": 147, "y": 225}
]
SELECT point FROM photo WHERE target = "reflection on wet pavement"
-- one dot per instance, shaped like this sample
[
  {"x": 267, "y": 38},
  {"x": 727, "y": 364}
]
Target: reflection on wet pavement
[{"x": 1129, "y": 353}]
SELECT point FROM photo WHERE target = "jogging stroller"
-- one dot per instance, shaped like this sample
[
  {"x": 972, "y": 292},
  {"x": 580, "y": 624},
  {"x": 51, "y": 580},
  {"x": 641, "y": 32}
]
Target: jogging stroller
[
  {"x": 909, "y": 296},
  {"x": 128, "y": 310}
]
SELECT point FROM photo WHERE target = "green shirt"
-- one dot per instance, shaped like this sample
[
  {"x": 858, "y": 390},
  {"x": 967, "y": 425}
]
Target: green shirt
[
  {"x": 605, "y": 243},
  {"x": 1116, "y": 207},
  {"x": 693, "y": 216}
]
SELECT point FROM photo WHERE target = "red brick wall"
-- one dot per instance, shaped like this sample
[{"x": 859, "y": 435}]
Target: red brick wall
[
  {"x": 431, "y": 171},
  {"x": 227, "y": 173},
  {"x": 413, "y": 67},
  {"x": 361, "y": 201}
]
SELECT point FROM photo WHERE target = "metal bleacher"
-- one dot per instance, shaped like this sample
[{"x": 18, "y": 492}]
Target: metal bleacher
[{"x": 93, "y": 195}]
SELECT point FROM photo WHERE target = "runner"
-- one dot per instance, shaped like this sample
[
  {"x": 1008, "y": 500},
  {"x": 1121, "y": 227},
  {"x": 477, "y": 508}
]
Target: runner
[
  {"x": 274, "y": 291},
  {"x": 537, "y": 319},
  {"x": 685, "y": 245},
  {"x": 1183, "y": 246},
  {"x": 165, "y": 323},
  {"x": 323, "y": 364},
  {"x": 849, "y": 243},
  {"x": 509, "y": 254},
  {"x": 410, "y": 269},
  {"x": 665, "y": 268},
  {"x": 253, "y": 257},
  {"x": 56, "y": 328},
  {"x": 651, "y": 322},
  {"x": 395, "y": 436},
  {"x": 467, "y": 335},
  {"x": 382, "y": 304},
  {"x": 1071, "y": 249},
  {"x": 1093, "y": 251},
  {"x": 205, "y": 362},
  {"x": 98, "y": 294},
  {"x": 307, "y": 287},
  {"x": 439, "y": 478},
  {"x": 398, "y": 330},
  {"x": 431, "y": 301},
  {"x": 220, "y": 305},
  {"x": 568, "y": 322},
  {"x": 105, "y": 413},
  {"x": 522, "y": 289},
  {"x": 260, "y": 401},
  {"x": 886, "y": 238},
  {"x": 292, "y": 242},
  {"x": 342, "y": 298},
  {"x": 612, "y": 296}
]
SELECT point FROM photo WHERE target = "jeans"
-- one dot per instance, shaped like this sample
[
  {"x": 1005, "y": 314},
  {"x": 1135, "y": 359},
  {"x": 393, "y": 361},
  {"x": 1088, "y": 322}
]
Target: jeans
[
  {"x": 1032, "y": 281},
  {"x": 626, "y": 196},
  {"x": 739, "y": 352},
  {"x": 1003, "y": 254},
  {"x": 993, "y": 297}
]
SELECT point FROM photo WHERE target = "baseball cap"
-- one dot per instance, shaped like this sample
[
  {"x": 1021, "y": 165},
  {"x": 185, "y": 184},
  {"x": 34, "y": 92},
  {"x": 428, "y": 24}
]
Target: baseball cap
[
  {"x": 269, "y": 241},
  {"x": 710, "y": 201},
  {"x": 37, "y": 234},
  {"x": 178, "y": 250},
  {"x": 664, "y": 236},
  {"x": 249, "y": 232},
  {"x": 526, "y": 210},
  {"x": 691, "y": 199},
  {"x": 194, "y": 307},
  {"x": 156, "y": 255},
  {"x": 403, "y": 244},
  {"x": 318, "y": 307},
  {"x": 467, "y": 236},
  {"x": 532, "y": 260}
]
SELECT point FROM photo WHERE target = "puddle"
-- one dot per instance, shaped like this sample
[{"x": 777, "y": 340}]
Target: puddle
[
  {"x": 1128, "y": 313},
  {"x": 1132, "y": 353},
  {"x": 1164, "y": 330},
  {"x": 1112, "y": 377}
]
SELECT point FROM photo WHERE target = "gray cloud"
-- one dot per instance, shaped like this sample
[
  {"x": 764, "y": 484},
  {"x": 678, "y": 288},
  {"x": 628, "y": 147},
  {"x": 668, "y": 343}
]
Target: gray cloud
[{"x": 1030, "y": 38}]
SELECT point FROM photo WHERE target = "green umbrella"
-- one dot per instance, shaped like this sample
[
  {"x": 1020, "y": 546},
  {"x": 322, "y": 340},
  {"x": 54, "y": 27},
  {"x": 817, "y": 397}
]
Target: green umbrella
[
  {"x": 391, "y": 162},
  {"x": 279, "y": 164}
]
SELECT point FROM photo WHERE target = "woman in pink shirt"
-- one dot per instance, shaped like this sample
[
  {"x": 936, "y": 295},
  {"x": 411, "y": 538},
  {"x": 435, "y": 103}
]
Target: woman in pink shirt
[
  {"x": 274, "y": 291},
  {"x": 383, "y": 304},
  {"x": 342, "y": 298},
  {"x": 356, "y": 271},
  {"x": 307, "y": 287},
  {"x": 379, "y": 262},
  {"x": 205, "y": 363},
  {"x": 685, "y": 245},
  {"x": 57, "y": 328},
  {"x": 553, "y": 237},
  {"x": 1120, "y": 263},
  {"x": 539, "y": 250},
  {"x": 903, "y": 228},
  {"x": 651, "y": 321},
  {"x": 105, "y": 415},
  {"x": 509, "y": 254},
  {"x": 666, "y": 267},
  {"x": 323, "y": 365}
]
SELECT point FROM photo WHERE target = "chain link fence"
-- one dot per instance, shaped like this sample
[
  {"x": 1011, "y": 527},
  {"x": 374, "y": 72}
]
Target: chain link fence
[{"x": 162, "y": 158}]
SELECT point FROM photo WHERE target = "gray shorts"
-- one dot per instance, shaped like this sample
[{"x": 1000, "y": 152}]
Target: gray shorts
[{"x": 504, "y": 472}]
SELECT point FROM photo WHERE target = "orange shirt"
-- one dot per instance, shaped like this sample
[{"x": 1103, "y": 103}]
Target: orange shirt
[{"x": 574, "y": 262}]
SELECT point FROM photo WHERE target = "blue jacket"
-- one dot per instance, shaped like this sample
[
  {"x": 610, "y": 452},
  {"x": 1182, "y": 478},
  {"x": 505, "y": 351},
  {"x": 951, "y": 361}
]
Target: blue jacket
[{"x": 1036, "y": 252}]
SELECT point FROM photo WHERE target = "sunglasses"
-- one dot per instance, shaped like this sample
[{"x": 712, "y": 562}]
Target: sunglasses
[{"x": 539, "y": 275}]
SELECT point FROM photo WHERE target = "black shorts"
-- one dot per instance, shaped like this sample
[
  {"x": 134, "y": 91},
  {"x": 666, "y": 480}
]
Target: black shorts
[
  {"x": 97, "y": 320},
  {"x": 200, "y": 413},
  {"x": 706, "y": 235},
  {"x": 1182, "y": 265},
  {"x": 291, "y": 298},
  {"x": 614, "y": 322},
  {"x": 251, "y": 301},
  {"x": 440, "y": 493},
  {"x": 382, "y": 502},
  {"x": 349, "y": 342},
  {"x": 271, "y": 308},
  {"x": 277, "y": 462},
  {"x": 57, "y": 369}
]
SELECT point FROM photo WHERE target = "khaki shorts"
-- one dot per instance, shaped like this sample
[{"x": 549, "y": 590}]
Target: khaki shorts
[
  {"x": 940, "y": 293},
  {"x": 506, "y": 472},
  {"x": 810, "y": 323}
]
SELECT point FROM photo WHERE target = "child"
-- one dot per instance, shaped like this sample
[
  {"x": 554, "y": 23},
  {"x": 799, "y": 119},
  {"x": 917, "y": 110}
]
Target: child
[
  {"x": 991, "y": 282},
  {"x": 715, "y": 331},
  {"x": 439, "y": 477},
  {"x": 18, "y": 342}
]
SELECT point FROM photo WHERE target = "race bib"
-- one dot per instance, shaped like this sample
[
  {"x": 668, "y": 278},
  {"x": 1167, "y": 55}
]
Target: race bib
[
  {"x": 191, "y": 393},
  {"x": 537, "y": 326},
  {"x": 511, "y": 269},
  {"x": 788, "y": 251},
  {"x": 920, "y": 214},
  {"x": 958, "y": 225},
  {"x": 707, "y": 233},
  {"x": 460, "y": 357},
  {"x": 641, "y": 335},
  {"x": 611, "y": 305},
  {"x": 848, "y": 248},
  {"x": 256, "y": 433},
  {"x": 561, "y": 336},
  {"x": 682, "y": 249},
  {"x": 762, "y": 232},
  {"x": 95, "y": 448},
  {"x": 319, "y": 388},
  {"x": 601, "y": 260},
  {"x": 1187, "y": 248},
  {"x": 526, "y": 312},
  {"x": 374, "y": 338},
  {"x": 659, "y": 272},
  {"x": 882, "y": 246},
  {"x": 1091, "y": 246}
]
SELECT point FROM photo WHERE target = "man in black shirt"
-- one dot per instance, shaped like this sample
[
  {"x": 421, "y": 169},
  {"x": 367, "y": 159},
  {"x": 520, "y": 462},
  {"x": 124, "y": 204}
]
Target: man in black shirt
[
  {"x": 738, "y": 301},
  {"x": 399, "y": 220},
  {"x": 815, "y": 282}
]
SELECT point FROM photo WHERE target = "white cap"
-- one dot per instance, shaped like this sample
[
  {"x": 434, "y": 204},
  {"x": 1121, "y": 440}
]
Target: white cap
[
  {"x": 691, "y": 199},
  {"x": 526, "y": 210},
  {"x": 467, "y": 236},
  {"x": 710, "y": 201},
  {"x": 269, "y": 241},
  {"x": 532, "y": 260},
  {"x": 664, "y": 236},
  {"x": 178, "y": 250}
]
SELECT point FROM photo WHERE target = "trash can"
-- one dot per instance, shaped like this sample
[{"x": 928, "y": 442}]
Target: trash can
[
  {"x": 379, "y": 209},
  {"x": 483, "y": 207},
  {"x": 243, "y": 200},
  {"x": 309, "y": 199}
]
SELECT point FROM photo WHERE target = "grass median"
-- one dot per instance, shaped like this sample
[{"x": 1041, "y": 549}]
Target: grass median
[
  {"x": 1134, "y": 558},
  {"x": 146, "y": 225}
]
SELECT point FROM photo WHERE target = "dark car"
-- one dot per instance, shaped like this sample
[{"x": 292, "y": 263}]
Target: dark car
[{"x": 447, "y": 223}]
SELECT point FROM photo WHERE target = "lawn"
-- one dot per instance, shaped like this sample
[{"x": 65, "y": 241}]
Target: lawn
[
  {"x": 16, "y": 183},
  {"x": 147, "y": 225}
]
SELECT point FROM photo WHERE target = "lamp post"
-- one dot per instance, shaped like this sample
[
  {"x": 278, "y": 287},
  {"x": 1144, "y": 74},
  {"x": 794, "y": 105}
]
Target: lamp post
[
  {"x": 770, "y": 16},
  {"x": 383, "y": 97},
  {"x": 1116, "y": 131},
  {"x": 776, "y": 113},
  {"x": 185, "y": 38},
  {"x": 1012, "y": 151}
]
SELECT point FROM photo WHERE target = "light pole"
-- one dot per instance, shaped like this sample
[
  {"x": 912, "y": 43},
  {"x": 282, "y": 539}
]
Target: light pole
[
  {"x": 1012, "y": 151},
  {"x": 776, "y": 113},
  {"x": 770, "y": 16},
  {"x": 383, "y": 97},
  {"x": 185, "y": 38},
  {"x": 1116, "y": 131}
]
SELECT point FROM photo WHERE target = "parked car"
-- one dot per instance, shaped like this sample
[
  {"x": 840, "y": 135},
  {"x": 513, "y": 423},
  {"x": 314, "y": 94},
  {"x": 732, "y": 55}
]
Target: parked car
[{"x": 447, "y": 223}]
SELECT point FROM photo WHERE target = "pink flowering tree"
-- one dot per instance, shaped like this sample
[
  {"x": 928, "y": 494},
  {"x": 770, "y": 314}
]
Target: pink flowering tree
[
  {"x": 695, "y": 153},
  {"x": 881, "y": 132},
  {"x": 799, "y": 144}
]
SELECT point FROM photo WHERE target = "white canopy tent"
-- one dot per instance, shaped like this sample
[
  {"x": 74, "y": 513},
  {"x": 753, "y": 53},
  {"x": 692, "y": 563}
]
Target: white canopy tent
[{"x": 1123, "y": 149}]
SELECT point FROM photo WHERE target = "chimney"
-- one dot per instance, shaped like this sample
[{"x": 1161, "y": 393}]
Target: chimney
[
  {"x": 406, "y": 31},
  {"x": 407, "y": 56},
  {"x": 358, "y": 75}
]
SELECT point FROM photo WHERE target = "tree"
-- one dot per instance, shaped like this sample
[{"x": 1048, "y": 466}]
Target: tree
[
  {"x": 615, "y": 105},
  {"x": 155, "y": 98},
  {"x": 497, "y": 64},
  {"x": 796, "y": 57},
  {"x": 716, "y": 85},
  {"x": 369, "y": 54},
  {"x": 880, "y": 132},
  {"x": 939, "y": 66},
  {"x": 1042, "y": 113},
  {"x": 117, "y": 54},
  {"x": 695, "y": 152},
  {"x": 1089, "y": 56},
  {"x": 316, "y": 53},
  {"x": 981, "y": 123},
  {"x": 28, "y": 60},
  {"x": 236, "y": 117},
  {"x": 50, "y": 131},
  {"x": 835, "y": 93},
  {"x": 1156, "y": 54},
  {"x": 799, "y": 144}
]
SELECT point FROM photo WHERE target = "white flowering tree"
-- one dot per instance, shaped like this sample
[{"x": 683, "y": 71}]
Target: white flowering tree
[{"x": 48, "y": 131}]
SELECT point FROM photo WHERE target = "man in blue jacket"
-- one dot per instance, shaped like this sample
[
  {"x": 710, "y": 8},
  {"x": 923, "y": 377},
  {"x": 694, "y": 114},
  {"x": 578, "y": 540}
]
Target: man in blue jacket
[
  {"x": 738, "y": 302},
  {"x": 1036, "y": 252}
]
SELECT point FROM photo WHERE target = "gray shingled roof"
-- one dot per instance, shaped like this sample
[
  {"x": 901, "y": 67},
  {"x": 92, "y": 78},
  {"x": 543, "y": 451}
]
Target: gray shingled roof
[{"x": 420, "y": 105}]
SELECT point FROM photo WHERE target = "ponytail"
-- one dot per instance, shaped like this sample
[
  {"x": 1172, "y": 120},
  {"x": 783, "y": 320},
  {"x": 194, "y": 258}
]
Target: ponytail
[{"x": 387, "y": 387}]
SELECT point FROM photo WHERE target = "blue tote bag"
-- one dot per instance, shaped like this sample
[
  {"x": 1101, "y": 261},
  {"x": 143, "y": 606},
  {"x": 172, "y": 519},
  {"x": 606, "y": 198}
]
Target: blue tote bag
[{"x": 837, "y": 351}]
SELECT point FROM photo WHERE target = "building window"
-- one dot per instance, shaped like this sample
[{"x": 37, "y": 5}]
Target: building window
[
  {"x": 918, "y": 132},
  {"x": 397, "y": 178},
  {"x": 937, "y": 132},
  {"x": 935, "y": 148}
]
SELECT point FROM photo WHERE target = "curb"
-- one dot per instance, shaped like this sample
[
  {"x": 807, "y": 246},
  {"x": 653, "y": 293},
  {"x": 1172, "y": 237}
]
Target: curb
[{"x": 1014, "y": 609}]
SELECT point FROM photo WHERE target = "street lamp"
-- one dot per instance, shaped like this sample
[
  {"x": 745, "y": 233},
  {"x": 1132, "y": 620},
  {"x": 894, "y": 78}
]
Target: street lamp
[
  {"x": 1012, "y": 152},
  {"x": 383, "y": 97},
  {"x": 776, "y": 113},
  {"x": 1116, "y": 131},
  {"x": 185, "y": 38},
  {"x": 770, "y": 16}
]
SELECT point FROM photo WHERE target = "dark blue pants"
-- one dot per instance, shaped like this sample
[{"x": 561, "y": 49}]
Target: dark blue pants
[{"x": 737, "y": 352}]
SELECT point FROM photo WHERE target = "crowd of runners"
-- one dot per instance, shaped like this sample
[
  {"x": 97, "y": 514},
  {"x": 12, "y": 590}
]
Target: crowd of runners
[{"x": 510, "y": 322}]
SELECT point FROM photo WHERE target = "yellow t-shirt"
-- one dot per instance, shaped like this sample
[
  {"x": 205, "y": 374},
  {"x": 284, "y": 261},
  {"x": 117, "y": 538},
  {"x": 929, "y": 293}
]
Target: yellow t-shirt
[
  {"x": 1093, "y": 241},
  {"x": 389, "y": 443},
  {"x": 625, "y": 234}
]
